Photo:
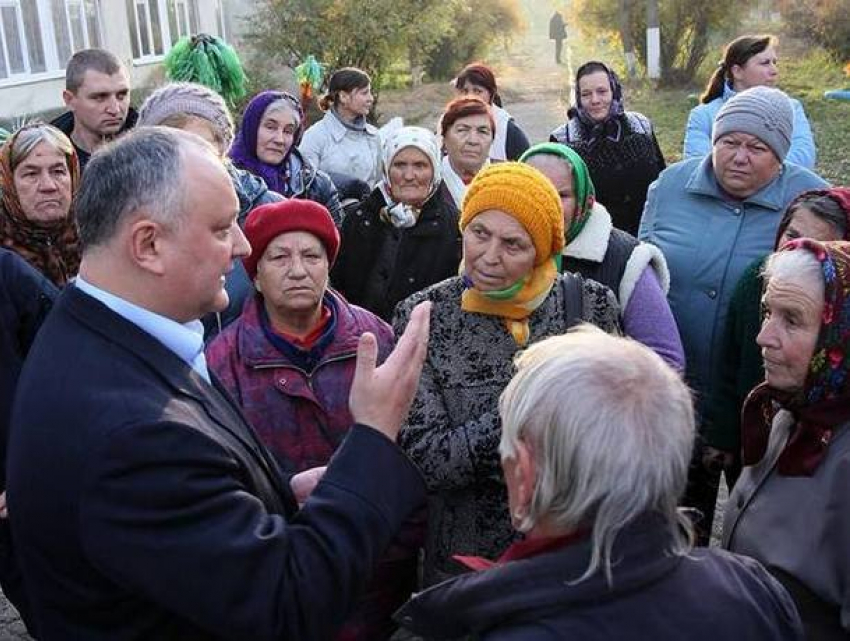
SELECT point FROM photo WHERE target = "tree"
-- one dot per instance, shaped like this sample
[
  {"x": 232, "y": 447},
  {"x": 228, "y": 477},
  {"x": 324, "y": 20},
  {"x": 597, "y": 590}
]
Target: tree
[
  {"x": 626, "y": 38},
  {"x": 685, "y": 30},
  {"x": 369, "y": 35},
  {"x": 820, "y": 22},
  {"x": 339, "y": 33},
  {"x": 476, "y": 25}
]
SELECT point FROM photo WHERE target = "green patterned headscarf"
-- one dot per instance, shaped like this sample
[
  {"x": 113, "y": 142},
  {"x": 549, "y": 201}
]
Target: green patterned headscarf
[{"x": 585, "y": 194}]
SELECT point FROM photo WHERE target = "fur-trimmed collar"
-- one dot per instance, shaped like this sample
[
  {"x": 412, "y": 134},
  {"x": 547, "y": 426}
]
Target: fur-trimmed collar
[{"x": 592, "y": 242}]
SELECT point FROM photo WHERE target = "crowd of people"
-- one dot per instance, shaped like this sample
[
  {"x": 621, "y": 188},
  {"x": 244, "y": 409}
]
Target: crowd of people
[{"x": 325, "y": 382}]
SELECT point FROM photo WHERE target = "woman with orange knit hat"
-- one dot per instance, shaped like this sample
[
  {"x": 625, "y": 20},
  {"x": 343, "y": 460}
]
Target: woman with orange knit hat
[{"x": 509, "y": 295}]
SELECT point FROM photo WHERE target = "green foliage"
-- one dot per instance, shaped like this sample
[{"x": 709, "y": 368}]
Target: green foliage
[
  {"x": 686, "y": 28},
  {"x": 209, "y": 61},
  {"x": 3, "y": 135},
  {"x": 339, "y": 33},
  {"x": 822, "y": 22},
  {"x": 437, "y": 35}
]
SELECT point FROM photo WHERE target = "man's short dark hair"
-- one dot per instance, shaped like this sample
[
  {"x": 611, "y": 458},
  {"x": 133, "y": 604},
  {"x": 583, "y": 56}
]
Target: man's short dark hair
[{"x": 99, "y": 60}]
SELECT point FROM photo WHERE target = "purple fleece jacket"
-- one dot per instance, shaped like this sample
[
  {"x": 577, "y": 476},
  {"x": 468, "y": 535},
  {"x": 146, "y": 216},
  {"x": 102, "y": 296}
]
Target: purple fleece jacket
[{"x": 647, "y": 318}]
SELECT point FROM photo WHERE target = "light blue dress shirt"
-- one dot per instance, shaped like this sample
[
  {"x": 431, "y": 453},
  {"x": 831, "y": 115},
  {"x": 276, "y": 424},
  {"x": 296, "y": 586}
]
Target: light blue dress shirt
[{"x": 185, "y": 340}]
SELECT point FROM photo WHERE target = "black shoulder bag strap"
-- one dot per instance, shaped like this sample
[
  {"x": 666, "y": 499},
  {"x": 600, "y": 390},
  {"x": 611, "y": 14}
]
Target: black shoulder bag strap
[{"x": 573, "y": 287}]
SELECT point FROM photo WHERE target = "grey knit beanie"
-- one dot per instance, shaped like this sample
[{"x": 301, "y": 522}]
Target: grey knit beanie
[
  {"x": 763, "y": 112},
  {"x": 191, "y": 99}
]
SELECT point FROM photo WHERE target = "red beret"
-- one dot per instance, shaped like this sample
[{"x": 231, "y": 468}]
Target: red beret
[{"x": 266, "y": 222}]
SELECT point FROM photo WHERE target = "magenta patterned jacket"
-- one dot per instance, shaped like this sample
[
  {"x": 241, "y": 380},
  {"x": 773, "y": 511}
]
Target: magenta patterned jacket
[{"x": 303, "y": 416}]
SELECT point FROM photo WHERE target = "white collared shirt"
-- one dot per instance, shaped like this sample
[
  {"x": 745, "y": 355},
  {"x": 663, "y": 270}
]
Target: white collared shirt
[{"x": 185, "y": 340}]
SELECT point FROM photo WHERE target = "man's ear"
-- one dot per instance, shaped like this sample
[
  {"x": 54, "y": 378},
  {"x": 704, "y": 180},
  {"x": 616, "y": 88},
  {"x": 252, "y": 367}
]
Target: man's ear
[
  {"x": 148, "y": 242},
  {"x": 67, "y": 96},
  {"x": 526, "y": 475}
]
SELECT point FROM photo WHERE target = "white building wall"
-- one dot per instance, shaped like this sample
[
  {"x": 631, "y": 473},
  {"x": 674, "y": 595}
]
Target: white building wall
[{"x": 22, "y": 99}]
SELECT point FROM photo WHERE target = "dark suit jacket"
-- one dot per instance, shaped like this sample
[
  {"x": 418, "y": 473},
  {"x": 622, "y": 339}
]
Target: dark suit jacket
[{"x": 146, "y": 508}]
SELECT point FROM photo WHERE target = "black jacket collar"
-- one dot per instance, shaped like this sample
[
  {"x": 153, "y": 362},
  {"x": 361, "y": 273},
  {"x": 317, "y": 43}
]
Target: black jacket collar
[{"x": 527, "y": 589}]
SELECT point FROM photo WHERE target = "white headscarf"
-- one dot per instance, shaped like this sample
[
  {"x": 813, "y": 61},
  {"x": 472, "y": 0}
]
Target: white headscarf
[{"x": 402, "y": 215}]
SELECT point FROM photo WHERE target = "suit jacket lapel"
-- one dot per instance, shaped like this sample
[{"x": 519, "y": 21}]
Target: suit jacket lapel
[{"x": 177, "y": 374}]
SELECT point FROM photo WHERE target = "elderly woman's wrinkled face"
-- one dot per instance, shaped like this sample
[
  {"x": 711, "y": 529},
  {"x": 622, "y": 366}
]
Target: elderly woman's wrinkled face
[
  {"x": 743, "y": 164},
  {"x": 497, "y": 251},
  {"x": 410, "y": 176},
  {"x": 275, "y": 135},
  {"x": 292, "y": 274},
  {"x": 595, "y": 94},
  {"x": 476, "y": 91},
  {"x": 789, "y": 332},
  {"x": 806, "y": 224},
  {"x": 760, "y": 70},
  {"x": 560, "y": 174},
  {"x": 43, "y": 183},
  {"x": 468, "y": 141}
]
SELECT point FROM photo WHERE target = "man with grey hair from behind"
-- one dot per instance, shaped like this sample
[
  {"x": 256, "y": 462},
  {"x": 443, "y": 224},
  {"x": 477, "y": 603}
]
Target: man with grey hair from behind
[
  {"x": 597, "y": 433},
  {"x": 145, "y": 505}
]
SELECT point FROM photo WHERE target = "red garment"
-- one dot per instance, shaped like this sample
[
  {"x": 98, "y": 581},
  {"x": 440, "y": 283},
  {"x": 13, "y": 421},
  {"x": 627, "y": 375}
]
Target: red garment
[
  {"x": 523, "y": 549},
  {"x": 307, "y": 342}
]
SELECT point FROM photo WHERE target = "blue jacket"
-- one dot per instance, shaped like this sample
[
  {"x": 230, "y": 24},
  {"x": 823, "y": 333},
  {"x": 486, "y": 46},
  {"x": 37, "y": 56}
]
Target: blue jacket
[
  {"x": 145, "y": 507},
  {"x": 708, "y": 595},
  {"x": 308, "y": 182},
  {"x": 701, "y": 119},
  {"x": 708, "y": 242}
]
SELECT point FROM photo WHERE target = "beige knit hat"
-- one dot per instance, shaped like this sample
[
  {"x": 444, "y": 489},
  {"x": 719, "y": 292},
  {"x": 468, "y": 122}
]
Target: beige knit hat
[{"x": 191, "y": 99}]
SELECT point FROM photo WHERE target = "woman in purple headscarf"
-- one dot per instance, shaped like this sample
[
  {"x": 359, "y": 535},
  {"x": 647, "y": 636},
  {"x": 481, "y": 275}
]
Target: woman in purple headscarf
[
  {"x": 618, "y": 146},
  {"x": 266, "y": 145}
]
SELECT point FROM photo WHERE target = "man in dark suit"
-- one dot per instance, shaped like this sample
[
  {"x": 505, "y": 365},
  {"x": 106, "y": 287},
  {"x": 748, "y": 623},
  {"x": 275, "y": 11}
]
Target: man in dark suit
[{"x": 143, "y": 503}]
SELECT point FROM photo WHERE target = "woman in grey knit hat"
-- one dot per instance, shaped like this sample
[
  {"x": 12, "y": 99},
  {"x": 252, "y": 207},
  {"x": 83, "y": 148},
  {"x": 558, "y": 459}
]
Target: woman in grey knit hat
[
  {"x": 748, "y": 61},
  {"x": 200, "y": 110},
  {"x": 712, "y": 217}
]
